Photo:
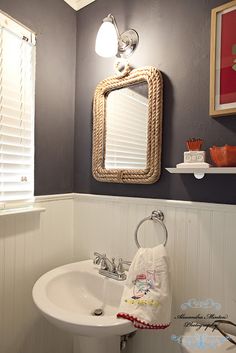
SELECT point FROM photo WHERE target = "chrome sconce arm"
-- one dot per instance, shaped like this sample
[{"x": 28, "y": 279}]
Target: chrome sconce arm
[{"x": 127, "y": 41}]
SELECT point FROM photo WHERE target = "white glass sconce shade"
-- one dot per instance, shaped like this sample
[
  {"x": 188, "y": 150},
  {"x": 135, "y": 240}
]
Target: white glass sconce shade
[
  {"x": 107, "y": 40},
  {"x": 110, "y": 42}
]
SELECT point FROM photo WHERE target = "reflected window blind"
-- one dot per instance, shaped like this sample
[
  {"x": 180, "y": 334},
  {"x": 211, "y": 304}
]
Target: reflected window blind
[
  {"x": 126, "y": 130},
  {"x": 17, "y": 61}
]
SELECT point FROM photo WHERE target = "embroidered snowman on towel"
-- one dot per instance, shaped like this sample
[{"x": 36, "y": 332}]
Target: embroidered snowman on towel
[{"x": 143, "y": 283}]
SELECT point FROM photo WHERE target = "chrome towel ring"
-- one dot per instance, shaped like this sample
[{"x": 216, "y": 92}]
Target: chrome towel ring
[{"x": 156, "y": 216}]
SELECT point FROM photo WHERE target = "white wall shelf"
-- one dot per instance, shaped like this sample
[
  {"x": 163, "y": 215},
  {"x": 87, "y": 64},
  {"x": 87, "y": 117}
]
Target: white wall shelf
[{"x": 200, "y": 172}]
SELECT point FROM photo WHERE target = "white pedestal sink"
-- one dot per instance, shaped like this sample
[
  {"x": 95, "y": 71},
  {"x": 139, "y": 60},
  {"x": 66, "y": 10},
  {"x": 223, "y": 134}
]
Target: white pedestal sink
[{"x": 68, "y": 296}]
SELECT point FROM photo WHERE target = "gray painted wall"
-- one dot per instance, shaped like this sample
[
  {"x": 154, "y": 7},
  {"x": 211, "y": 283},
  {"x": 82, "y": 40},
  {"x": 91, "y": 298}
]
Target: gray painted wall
[
  {"x": 174, "y": 37},
  {"x": 55, "y": 24}
]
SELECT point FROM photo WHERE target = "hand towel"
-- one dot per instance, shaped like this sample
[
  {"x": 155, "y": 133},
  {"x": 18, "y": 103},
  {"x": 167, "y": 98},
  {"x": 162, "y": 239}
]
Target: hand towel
[{"x": 146, "y": 299}]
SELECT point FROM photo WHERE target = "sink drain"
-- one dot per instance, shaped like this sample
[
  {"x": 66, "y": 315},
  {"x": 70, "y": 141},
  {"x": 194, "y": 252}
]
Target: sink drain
[{"x": 97, "y": 312}]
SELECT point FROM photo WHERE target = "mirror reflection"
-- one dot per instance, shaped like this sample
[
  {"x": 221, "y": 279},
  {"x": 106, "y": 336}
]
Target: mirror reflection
[{"x": 127, "y": 127}]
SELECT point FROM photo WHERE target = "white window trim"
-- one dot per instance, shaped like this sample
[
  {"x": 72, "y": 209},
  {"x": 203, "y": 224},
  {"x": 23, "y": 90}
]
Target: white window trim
[
  {"x": 21, "y": 210},
  {"x": 21, "y": 31},
  {"x": 16, "y": 27}
]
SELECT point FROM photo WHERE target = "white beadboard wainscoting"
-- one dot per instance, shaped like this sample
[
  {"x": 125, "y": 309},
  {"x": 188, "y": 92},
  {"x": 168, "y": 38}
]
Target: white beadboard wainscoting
[
  {"x": 31, "y": 244},
  {"x": 201, "y": 246}
]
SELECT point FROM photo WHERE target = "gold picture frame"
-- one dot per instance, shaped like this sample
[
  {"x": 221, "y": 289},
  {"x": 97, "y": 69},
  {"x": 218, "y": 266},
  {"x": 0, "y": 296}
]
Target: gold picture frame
[
  {"x": 152, "y": 171},
  {"x": 222, "y": 98}
]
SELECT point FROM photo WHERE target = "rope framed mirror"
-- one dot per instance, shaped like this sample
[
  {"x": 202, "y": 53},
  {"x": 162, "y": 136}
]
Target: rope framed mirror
[{"x": 127, "y": 127}]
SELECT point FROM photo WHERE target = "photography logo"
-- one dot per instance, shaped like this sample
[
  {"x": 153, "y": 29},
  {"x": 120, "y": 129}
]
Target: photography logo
[
  {"x": 199, "y": 341},
  {"x": 197, "y": 316},
  {"x": 201, "y": 304}
]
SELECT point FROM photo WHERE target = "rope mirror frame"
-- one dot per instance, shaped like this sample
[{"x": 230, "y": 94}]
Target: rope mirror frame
[{"x": 152, "y": 172}]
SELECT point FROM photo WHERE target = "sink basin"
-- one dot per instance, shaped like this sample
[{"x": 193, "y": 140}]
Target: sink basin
[{"x": 68, "y": 296}]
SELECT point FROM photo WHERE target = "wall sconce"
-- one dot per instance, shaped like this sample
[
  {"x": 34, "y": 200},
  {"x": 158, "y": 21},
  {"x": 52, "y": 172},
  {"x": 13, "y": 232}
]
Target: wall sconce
[{"x": 110, "y": 42}]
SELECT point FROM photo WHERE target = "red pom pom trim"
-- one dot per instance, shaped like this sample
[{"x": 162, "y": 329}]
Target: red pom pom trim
[{"x": 142, "y": 324}]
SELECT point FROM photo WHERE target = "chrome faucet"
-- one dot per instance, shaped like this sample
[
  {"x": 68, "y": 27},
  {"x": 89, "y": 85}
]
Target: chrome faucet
[{"x": 109, "y": 268}]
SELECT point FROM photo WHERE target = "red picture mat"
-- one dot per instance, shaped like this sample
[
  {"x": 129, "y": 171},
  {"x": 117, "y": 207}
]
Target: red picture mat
[{"x": 228, "y": 58}]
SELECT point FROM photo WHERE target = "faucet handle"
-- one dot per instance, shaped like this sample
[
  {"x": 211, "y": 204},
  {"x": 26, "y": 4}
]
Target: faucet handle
[
  {"x": 99, "y": 255},
  {"x": 114, "y": 269},
  {"x": 98, "y": 258},
  {"x": 128, "y": 263},
  {"x": 120, "y": 267},
  {"x": 103, "y": 261}
]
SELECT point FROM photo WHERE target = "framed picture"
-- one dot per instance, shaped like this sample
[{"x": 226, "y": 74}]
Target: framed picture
[{"x": 223, "y": 60}]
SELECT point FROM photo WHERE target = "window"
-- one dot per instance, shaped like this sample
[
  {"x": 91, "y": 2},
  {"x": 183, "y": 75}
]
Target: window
[
  {"x": 126, "y": 128},
  {"x": 17, "y": 81}
]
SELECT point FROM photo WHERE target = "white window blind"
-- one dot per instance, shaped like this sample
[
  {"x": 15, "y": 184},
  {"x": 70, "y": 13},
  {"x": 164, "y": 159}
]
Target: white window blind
[
  {"x": 126, "y": 130},
  {"x": 17, "y": 62}
]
